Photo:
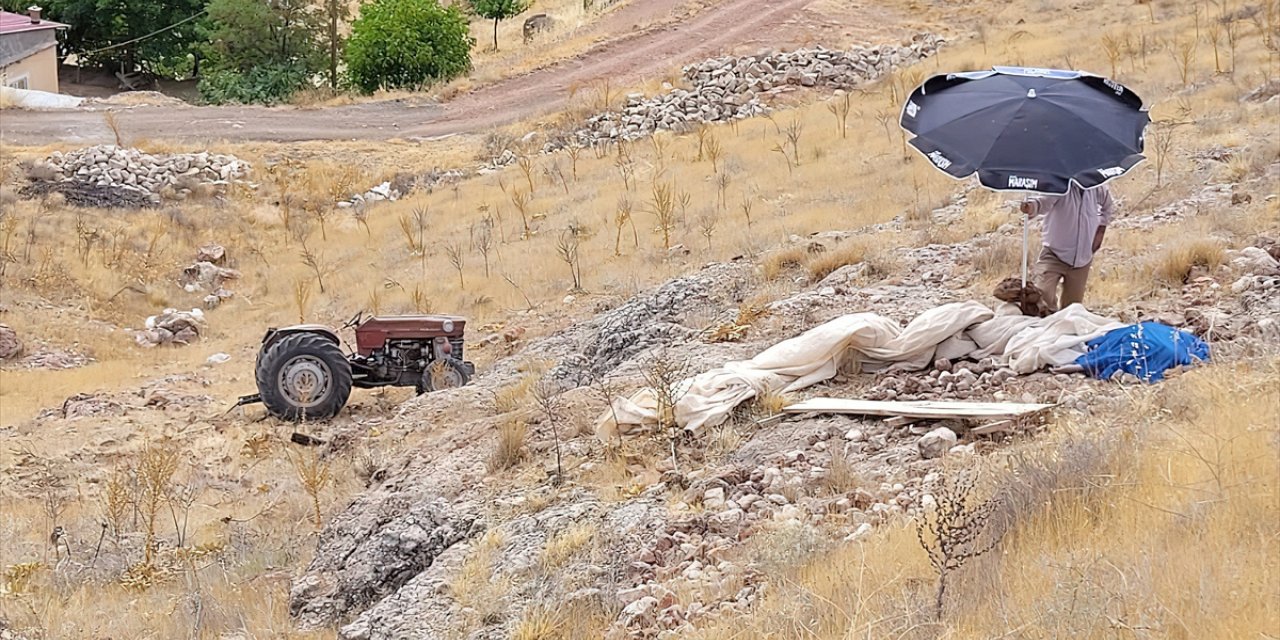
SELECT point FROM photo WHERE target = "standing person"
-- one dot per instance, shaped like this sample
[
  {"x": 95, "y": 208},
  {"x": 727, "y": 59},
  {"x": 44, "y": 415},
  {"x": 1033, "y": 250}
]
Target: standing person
[{"x": 1074, "y": 225}]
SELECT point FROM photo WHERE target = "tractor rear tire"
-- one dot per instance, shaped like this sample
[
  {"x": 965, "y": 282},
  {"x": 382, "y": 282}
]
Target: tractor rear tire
[
  {"x": 446, "y": 373},
  {"x": 303, "y": 376}
]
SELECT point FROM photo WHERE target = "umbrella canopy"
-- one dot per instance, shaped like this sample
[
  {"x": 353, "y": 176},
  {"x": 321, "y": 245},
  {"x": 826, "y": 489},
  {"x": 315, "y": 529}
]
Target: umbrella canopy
[{"x": 1027, "y": 129}]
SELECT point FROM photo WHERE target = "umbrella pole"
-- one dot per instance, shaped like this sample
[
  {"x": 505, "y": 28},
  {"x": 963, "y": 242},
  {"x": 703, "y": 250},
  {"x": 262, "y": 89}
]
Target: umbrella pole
[{"x": 1025, "y": 235}]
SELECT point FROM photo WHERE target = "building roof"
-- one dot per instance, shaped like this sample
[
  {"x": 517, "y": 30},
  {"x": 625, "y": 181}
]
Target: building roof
[{"x": 20, "y": 23}]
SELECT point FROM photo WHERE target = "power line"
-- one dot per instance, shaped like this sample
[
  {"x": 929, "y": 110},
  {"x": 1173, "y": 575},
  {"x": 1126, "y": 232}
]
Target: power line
[{"x": 141, "y": 38}]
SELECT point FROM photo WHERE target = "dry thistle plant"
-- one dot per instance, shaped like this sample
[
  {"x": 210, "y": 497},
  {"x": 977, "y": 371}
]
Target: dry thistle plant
[
  {"x": 958, "y": 529},
  {"x": 526, "y": 167},
  {"x": 841, "y": 107},
  {"x": 1214, "y": 31},
  {"x": 1164, "y": 146},
  {"x": 884, "y": 117},
  {"x": 482, "y": 241},
  {"x": 414, "y": 229},
  {"x": 711, "y": 150},
  {"x": 606, "y": 390},
  {"x": 663, "y": 206},
  {"x": 112, "y": 120},
  {"x": 1113, "y": 47},
  {"x": 574, "y": 151},
  {"x": 314, "y": 260},
  {"x": 457, "y": 257},
  {"x": 314, "y": 474},
  {"x": 621, "y": 219},
  {"x": 302, "y": 298},
  {"x": 156, "y": 466},
  {"x": 1184, "y": 55},
  {"x": 723, "y": 180},
  {"x": 520, "y": 200},
  {"x": 707, "y": 225},
  {"x": 626, "y": 167},
  {"x": 118, "y": 499}
]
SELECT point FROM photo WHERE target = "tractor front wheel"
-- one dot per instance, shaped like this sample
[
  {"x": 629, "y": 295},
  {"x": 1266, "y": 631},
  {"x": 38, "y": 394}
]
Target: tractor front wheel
[
  {"x": 303, "y": 376},
  {"x": 445, "y": 373}
]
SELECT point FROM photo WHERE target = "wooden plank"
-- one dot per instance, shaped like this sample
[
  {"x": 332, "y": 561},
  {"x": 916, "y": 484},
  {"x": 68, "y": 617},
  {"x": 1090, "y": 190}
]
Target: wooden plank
[
  {"x": 771, "y": 420},
  {"x": 992, "y": 427},
  {"x": 919, "y": 409},
  {"x": 899, "y": 421}
]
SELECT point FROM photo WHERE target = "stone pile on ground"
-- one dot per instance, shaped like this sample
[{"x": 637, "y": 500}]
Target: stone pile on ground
[
  {"x": 134, "y": 170},
  {"x": 171, "y": 327},
  {"x": 84, "y": 194},
  {"x": 730, "y": 88},
  {"x": 208, "y": 274}
]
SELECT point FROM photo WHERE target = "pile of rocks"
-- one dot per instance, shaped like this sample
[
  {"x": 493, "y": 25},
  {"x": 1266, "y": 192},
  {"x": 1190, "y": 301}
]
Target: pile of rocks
[
  {"x": 135, "y": 170},
  {"x": 207, "y": 273},
  {"x": 378, "y": 193},
  {"x": 84, "y": 194},
  {"x": 729, "y": 88},
  {"x": 171, "y": 327}
]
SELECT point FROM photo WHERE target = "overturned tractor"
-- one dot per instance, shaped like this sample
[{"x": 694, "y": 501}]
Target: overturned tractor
[{"x": 302, "y": 373}]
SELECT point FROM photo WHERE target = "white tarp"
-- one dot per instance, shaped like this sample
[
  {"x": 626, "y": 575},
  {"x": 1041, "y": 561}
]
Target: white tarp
[
  {"x": 867, "y": 342},
  {"x": 29, "y": 99}
]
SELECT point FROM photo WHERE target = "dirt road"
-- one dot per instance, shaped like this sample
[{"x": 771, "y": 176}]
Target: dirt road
[{"x": 623, "y": 60}]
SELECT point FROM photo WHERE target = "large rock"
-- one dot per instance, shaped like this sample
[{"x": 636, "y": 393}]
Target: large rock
[
  {"x": 936, "y": 443},
  {"x": 367, "y": 554},
  {"x": 10, "y": 346}
]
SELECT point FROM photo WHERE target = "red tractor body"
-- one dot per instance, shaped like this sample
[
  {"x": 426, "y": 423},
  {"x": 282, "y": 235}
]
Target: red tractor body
[{"x": 376, "y": 332}]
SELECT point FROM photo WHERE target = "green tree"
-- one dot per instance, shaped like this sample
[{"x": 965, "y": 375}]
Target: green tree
[
  {"x": 160, "y": 34},
  {"x": 407, "y": 43},
  {"x": 497, "y": 10},
  {"x": 261, "y": 51},
  {"x": 243, "y": 34}
]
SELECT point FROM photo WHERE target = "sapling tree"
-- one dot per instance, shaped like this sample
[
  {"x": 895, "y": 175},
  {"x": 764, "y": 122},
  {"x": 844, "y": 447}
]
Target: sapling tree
[
  {"x": 958, "y": 529},
  {"x": 497, "y": 11},
  {"x": 546, "y": 394},
  {"x": 667, "y": 375},
  {"x": 567, "y": 250}
]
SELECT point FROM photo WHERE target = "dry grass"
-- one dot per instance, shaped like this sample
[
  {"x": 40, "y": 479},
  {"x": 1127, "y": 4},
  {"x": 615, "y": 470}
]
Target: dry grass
[
  {"x": 565, "y": 545},
  {"x": 1101, "y": 515},
  {"x": 841, "y": 475},
  {"x": 476, "y": 586},
  {"x": 1176, "y": 262},
  {"x": 510, "y": 449},
  {"x": 846, "y": 253},
  {"x": 1000, "y": 258},
  {"x": 781, "y": 261}
]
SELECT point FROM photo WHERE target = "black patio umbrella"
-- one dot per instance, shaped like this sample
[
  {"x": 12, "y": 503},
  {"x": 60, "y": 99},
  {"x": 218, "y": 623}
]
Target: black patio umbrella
[{"x": 1021, "y": 129}]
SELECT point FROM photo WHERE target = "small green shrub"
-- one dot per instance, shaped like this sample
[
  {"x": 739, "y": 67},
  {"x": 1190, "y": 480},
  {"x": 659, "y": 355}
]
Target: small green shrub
[{"x": 260, "y": 85}]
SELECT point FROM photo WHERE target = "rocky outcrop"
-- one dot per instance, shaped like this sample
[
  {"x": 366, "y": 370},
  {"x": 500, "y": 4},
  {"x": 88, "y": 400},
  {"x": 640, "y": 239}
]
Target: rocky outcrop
[
  {"x": 645, "y": 321},
  {"x": 372, "y": 550},
  {"x": 10, "y": 345}
]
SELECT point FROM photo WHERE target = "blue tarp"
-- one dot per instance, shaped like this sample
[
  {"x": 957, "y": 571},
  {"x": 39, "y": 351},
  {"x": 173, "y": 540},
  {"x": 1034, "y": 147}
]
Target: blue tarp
[{"x": 1145, "y": 350}]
